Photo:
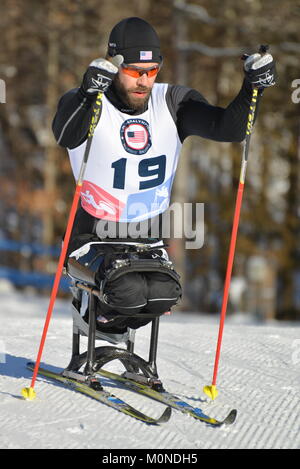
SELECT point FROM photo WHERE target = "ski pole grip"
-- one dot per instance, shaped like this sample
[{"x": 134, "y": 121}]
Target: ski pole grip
[{"x": 263, "y": 49}]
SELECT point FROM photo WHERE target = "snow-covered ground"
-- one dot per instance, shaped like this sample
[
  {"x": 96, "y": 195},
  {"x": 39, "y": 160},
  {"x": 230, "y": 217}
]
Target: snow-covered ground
[{"x": 259, "y": 376}]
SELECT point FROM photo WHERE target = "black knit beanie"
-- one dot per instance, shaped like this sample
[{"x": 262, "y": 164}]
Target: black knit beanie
[{"x": 135, "y": 40}]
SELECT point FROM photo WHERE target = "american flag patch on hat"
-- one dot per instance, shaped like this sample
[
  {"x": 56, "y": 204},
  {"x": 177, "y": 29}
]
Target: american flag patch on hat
[{"x": 146, "y": 55}]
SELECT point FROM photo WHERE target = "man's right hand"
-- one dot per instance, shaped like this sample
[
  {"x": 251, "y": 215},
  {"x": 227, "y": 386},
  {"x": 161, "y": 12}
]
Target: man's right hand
[{"x": 98, "y": 77}]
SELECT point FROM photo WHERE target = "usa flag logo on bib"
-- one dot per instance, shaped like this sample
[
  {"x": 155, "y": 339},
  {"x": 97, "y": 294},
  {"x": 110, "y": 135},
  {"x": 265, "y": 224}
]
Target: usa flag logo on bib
[{"x": 135, "y": 136}]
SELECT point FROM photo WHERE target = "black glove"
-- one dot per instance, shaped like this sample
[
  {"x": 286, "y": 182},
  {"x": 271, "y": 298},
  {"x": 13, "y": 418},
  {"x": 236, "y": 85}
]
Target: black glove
[
  {"x": 260, "y": 70},
  {"x": 99, "y": 76}
]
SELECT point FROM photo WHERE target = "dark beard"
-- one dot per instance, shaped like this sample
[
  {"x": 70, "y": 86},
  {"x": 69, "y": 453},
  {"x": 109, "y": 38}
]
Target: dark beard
[{"x": 138, "y": 105}]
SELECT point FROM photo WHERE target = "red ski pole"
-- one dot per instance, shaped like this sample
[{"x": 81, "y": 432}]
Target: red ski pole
[
  {"x": 29, "y": 393},
  {"x": 211, "y": 391}
]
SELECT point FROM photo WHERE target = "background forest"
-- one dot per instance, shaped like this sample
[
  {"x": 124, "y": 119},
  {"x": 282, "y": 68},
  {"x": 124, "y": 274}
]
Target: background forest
[{"x": 45, "y": 49}]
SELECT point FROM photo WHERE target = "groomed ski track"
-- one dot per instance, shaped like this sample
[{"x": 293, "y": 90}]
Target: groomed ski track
[{"x": 259, "y": 376}]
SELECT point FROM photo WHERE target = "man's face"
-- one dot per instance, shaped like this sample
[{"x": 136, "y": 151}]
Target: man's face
[{"x": 135, "y": 92}]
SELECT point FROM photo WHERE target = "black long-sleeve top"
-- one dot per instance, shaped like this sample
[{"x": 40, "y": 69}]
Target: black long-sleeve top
[{"x": 192, "y": 114}]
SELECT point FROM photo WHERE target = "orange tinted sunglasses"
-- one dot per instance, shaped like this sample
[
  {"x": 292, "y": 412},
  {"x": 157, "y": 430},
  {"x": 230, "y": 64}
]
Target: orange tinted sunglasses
[{"x": 137, "y": 72}]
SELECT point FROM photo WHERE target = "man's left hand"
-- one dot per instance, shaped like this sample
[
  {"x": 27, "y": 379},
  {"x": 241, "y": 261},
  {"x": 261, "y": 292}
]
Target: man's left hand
[{"x": 260, "y": 70}]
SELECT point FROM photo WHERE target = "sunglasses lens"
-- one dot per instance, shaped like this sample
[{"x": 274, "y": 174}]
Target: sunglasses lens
[
  {"x": 136, "y": 73},
  {"x": 153, "y": 72},
  {"x": 131, "y": 72}
]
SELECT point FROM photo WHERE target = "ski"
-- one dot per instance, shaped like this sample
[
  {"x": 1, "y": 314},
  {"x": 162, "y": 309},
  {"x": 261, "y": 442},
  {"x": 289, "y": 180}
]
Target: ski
[
  {"x": 169, "y": 399},
  {"x": 103, "y": 396}
]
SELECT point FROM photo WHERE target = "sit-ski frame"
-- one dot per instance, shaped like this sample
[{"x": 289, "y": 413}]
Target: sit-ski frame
[{"x": 95, "y": 358}]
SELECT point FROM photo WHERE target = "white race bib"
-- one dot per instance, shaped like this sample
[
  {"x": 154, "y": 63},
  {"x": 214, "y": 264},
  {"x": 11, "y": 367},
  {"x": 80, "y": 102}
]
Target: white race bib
[{"x": 132, "y": 162}]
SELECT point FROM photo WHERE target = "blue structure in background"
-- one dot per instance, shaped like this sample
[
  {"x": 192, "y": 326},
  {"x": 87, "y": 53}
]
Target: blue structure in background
[
  {"x": 35, "y": 279},
  {"x": 30, "y": 248}
]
